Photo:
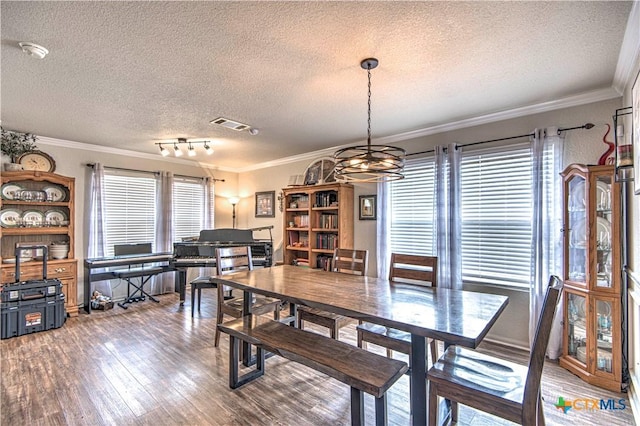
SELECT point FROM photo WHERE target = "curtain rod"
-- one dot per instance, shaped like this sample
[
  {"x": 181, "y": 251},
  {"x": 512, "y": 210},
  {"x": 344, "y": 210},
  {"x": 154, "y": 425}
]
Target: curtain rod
[
  {"x": 584, "y": 126},
  {"x": 155, "y": 173}
]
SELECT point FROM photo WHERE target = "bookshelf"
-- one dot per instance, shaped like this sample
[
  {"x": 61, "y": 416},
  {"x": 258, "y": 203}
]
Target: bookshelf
[{"x": 317, "y": 219}]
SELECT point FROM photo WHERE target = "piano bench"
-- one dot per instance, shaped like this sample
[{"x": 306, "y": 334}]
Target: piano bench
[
  {"x": 137, "y": 272},
  {"x": 139, "y": 294},
  {"x": 196, "y": 286}
]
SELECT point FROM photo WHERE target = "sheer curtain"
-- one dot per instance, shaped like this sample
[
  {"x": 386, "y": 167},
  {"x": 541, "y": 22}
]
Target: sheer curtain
[
  {"x": 96, "y": 241},
  {"x": 383, "y": 226},
  {"x": 163, "y": 283},
  {"x": 447, "y": 216},
  {"x": 546, "y": 242}
]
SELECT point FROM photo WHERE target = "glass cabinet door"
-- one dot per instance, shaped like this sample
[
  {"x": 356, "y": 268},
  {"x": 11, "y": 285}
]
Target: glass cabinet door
[
  {"x": 577, "y": 256},
  {"x": 604, "y": 218},
  {"x": 577, "y": 326},
  {"x": 603, "y": 326}
]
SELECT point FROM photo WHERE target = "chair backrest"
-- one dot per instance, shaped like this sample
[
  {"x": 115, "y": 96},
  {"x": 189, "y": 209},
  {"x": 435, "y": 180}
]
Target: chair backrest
[
  {"x": 414, "y": 269},
  {"x": 540, "y": 342},
  {"x": 350, "y": 261},
  {"x": 232, "y": 259},
  {"x": 127, "y": 249}
]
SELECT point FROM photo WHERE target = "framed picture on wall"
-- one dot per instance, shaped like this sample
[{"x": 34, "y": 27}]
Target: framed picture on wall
[
  {"x": 264, "y": 204},
  {"x": 635, "y": 131},
  {"x": 368, "y": 207}
]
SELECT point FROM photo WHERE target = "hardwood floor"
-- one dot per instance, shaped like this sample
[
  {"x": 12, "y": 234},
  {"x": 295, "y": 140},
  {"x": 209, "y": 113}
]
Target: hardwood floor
[{"x": 154, "y": 364}]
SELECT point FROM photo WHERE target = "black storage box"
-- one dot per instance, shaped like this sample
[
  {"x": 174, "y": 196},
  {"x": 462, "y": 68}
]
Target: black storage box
[
  {"x": 31, "y": 290},
  {"x": 33, "y": 305},
  {"x": 31, "y": 316}
]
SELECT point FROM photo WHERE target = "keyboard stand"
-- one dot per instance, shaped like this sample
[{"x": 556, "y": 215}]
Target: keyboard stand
[{"x": 139, "y": 294}]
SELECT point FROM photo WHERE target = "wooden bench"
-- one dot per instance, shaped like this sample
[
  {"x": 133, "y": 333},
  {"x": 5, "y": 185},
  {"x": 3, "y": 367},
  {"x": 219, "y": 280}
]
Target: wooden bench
[{"x": 363, "y": 371}]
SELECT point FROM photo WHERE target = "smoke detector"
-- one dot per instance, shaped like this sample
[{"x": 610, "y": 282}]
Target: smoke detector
[{"x": 33, "y": 49}]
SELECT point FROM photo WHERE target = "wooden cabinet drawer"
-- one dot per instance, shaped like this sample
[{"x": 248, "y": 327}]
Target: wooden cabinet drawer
[{"x": 33, "y": 270}]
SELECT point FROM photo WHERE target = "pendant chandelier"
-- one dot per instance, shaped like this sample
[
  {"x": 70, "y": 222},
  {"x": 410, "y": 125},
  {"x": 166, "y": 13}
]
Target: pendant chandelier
[{"x": 369, "y": 163}]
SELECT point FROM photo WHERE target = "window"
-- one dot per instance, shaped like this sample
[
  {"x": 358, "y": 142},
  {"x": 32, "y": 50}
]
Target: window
[
  {"x": 496, "y": 212},
  {"x": 130, "y": 211},
  {"x": 188, "y": 207},
  {"x": 412, "y": 209},
  {"x": 496, "y": 215}
]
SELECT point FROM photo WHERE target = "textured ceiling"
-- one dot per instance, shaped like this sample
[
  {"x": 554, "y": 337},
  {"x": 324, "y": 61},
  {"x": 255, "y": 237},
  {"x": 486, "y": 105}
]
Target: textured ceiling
[{"x": 129, "y": 74}]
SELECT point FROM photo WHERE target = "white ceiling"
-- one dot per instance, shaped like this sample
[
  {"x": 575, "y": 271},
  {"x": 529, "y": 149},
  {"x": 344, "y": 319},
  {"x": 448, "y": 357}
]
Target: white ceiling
[{"x": 130, "y": 74}]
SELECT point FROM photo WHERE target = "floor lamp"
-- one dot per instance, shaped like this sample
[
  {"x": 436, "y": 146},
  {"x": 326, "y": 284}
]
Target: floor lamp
[{"x": 234, "y": 201}]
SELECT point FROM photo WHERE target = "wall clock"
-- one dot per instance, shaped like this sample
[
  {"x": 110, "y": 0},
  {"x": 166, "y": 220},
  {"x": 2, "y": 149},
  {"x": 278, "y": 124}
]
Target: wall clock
[
  {"x": 320, "y": 171},
  {"x": 37, "y": 160}
]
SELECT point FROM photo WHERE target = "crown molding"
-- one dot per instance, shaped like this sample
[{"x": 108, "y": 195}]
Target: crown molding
[
  {"x": 629, "y": 51},
  {"x": 570, "y": 101}
]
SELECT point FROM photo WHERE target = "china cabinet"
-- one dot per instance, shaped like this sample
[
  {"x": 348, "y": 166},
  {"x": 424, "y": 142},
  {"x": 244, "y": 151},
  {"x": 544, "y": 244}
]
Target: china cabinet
[
  {"x": 37, "y": 208},
  {"x": 317, "y": 219},
  {"x": 592, "y": 272}
]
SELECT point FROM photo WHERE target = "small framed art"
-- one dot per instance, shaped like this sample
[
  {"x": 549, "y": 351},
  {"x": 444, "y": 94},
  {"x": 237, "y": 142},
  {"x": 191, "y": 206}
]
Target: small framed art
[
  {"x": 368, "y": 207},
  {"x": 264, "y": 204}
]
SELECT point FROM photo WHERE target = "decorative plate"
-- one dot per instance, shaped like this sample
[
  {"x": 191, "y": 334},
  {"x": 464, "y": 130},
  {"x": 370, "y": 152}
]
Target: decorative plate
[
  {"x": 603, "y": 196},
  {"x": 55, "y": 217},
  {"x": 33, "y": 218},
  {"x": 10, "y": 218},
  {"x": 54, "y": 193},
  {"x": 9, "y": 190}
]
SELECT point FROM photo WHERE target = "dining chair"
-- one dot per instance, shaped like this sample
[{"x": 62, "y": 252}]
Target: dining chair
[
  {"x": 411, "y": 270},
  {"x": 234, "y": 259},
  {"x": 490, "y": 384},
  {"x": 197, "y": 285},
  {"x": 347, "y": 261}
]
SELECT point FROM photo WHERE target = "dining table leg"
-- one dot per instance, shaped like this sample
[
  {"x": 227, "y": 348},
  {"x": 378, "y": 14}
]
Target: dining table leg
[
  {"x": 247, "y": 360},
  {"x": 418, "y": 380}
]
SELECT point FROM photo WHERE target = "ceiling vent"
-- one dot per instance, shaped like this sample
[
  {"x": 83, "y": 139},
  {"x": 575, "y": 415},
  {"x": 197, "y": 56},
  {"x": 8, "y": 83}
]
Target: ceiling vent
[{"x": 230, "y": 124}]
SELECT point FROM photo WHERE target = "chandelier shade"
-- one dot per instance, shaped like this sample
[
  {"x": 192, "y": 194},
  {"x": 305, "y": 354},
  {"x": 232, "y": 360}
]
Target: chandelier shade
[{"x": 369, "y": 163}]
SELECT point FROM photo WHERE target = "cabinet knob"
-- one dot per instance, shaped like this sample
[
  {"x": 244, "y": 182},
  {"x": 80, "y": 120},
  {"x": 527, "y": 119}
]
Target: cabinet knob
[{"x": 60, "y": 270}]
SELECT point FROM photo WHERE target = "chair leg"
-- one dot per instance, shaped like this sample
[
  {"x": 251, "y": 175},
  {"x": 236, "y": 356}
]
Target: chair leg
[
  {"x": 193, "y": 298},
  {"x": 299, "y": 323},
  {"x": 389, "y": 353},
  {"x": 199, "y": 297},
  {"x": 433, "y": 346},
  {"x": 219, "y": 318},
  {"x": 433, "y": 404},
  {"x": 454, "y": 411},
  {"x": 361, "y": 343},
  {"x": 541, "y": 421}
]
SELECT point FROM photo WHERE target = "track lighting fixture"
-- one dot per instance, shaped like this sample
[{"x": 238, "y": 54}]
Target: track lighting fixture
[{"x": 191, "y": 147}]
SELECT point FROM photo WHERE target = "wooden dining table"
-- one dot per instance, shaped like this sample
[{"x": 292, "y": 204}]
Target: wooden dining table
[{"x": 455, "y": 317}]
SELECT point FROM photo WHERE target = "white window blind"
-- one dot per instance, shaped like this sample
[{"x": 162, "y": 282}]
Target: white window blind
[
  {"x": 496, "y": 215},
  {"x": 412, "y": 209},
  {"x": 130, "y": 208},
  {"x": 188, "y": 207}
]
